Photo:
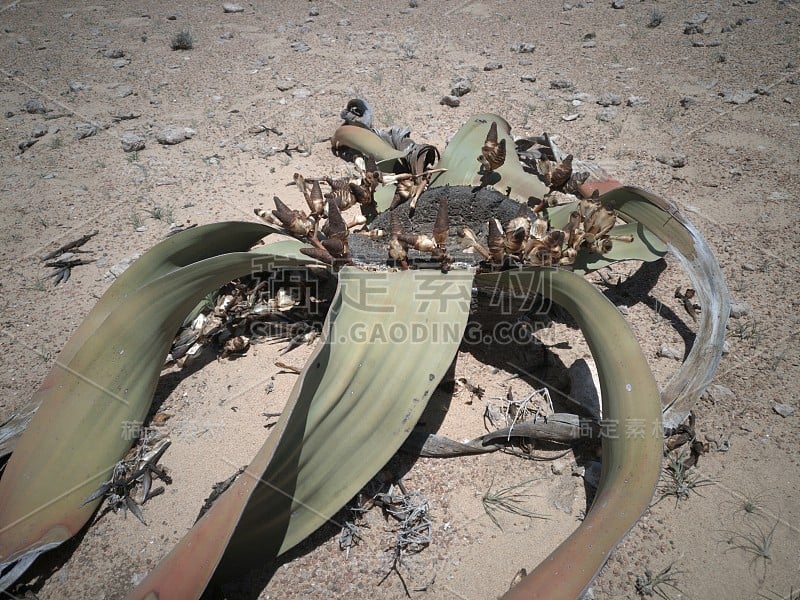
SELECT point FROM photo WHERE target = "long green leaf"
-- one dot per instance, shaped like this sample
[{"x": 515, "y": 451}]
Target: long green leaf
[
  {"x": 77, "y": 434},
  {"x": 176, "y": 251},
  {"x": 631, "y": 446},
  {"x": 389, "y": 338}
]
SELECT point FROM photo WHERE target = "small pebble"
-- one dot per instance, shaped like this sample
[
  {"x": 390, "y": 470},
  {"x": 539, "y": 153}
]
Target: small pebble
[
  {"x": 226, "y": 35},
  {"x": 284, "y": 86},
  {"x": 718, "y": 392},
  {"x": 461, "y": 87},
  {"x": 618, "y": 4},
  {"x": 114, "y": 53},
  {"x": 39, "y": 131},
  {"x": 313, "y": 11},
  {"x": 300, "y": 47},
  {"x": 784, "y": 410},
  {"x": 230, "y": 7},
  {"x": 120, "y": 63},
  {"x": 667, "y": 351},
  {"x": 76, "y": 86},
  {"x": 607, "y": 115},
  {"x": 492, "y": 66},
  {"x": 676, "y": 161},
  {"x": 738, "y": 97},
  {"x": 34, "y": 106},
  {"x": 302, "y": 93},
  {"x": 739, "y": 309},
  {"x": 523, "y": 47},
  {"x": 343, "y": 23},
  {"x": 452, "y": 101},
  {"x": 609, "y": 100},
  {"x": 636, "y": 101},
  {"x": 132, "y": 142},
  {"x": 561, "y": 84},
  {"x": 84, "y": 130},
  {"x": 169, "y": 136},
  {"x": 528, "y": 79},
  {"x": 571, "y": 117}
]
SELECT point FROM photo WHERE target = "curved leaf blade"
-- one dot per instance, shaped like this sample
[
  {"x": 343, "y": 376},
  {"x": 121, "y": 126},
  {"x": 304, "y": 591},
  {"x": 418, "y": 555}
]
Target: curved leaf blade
[
  {"x": 460, "y": 158},
  {"x": 174, "y": 252},
  {"x": 631, "y": 457},
  {"x": 664, "y": 219},
  {"x": 77, "y": 434},
  {"x": 354, "y": 404}
]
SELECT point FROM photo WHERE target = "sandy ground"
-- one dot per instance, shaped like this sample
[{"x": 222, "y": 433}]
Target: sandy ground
[{"x": 723, "y": 100}]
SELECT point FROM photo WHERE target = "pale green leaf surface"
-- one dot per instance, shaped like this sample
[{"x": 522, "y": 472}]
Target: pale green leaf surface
[
  {"x": 460, "y": 158},
  {"x": 174, "y": 252},
  {"x": 77, "y": 434},
  {"x": 356, "y": 401},
  {"x": 645, "y": 246}
]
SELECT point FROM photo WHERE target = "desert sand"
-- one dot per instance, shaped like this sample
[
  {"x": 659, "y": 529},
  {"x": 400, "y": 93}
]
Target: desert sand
[{"x": 696, "y": 101}]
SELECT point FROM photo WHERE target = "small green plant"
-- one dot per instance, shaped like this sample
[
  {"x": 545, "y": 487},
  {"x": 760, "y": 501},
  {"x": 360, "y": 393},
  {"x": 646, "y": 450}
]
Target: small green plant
[
  {"x": 183, "y": 40},
  {"x": 680, "y": 481},
  {"x": 136, "y": 219},
  {"x": 656, "y": 17},
  {"x": 755, "y": 540},
  {"x": 409, "y": 48},
  {"x": 748, "y": 330},
  {"x": 510, "y": 500},
  {"x": 161, "y": 213},
  {"x": 526, "y": 113},
  {"x": 657, "y": 584},
  {"x": 749, "y": 506}
]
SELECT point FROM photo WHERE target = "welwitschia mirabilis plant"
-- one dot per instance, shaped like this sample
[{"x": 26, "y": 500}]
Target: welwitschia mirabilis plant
[{"x": 340, "y": 425}]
